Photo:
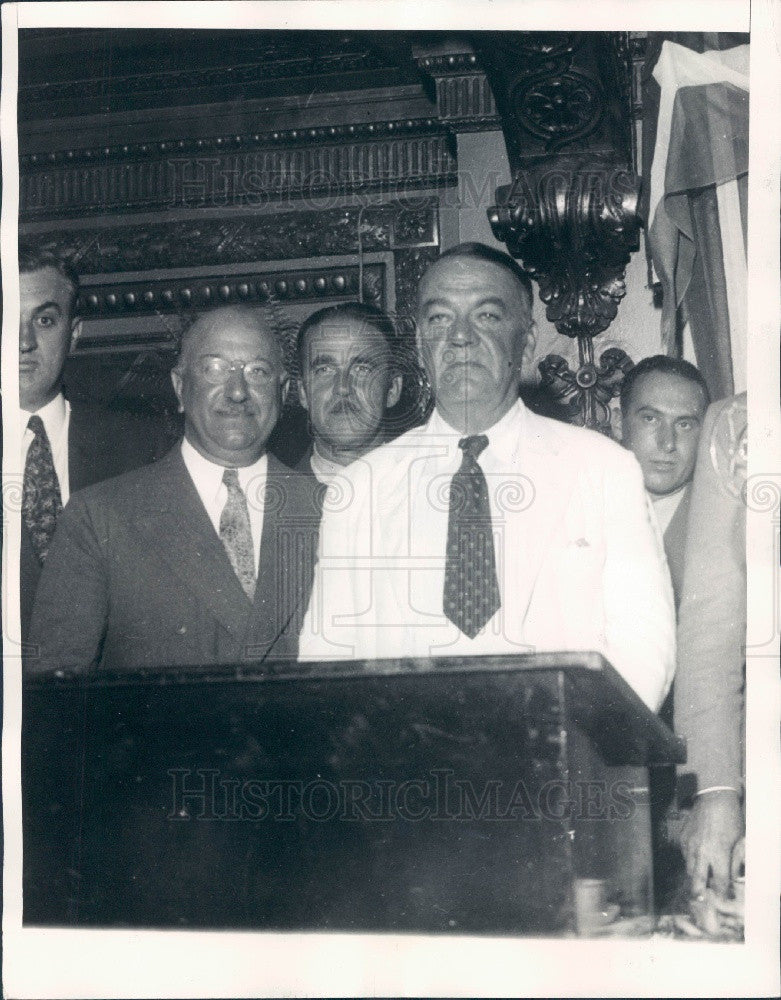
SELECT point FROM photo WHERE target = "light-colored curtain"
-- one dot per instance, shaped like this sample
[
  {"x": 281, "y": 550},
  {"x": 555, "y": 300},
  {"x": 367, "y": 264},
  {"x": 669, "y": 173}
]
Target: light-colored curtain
[{"x": 697, "y": 187}]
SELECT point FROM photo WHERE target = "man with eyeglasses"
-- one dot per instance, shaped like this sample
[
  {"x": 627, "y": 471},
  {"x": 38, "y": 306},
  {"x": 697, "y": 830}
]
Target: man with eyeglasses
[{"x": 205, "y": 557}]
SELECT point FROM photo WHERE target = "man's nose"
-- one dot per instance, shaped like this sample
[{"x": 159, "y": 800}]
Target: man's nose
[
  {"x": 236, "y": 386},
  {"x": 460, "y": 332},
  {"x": 27, "y": 339},
  {"x": 666, "y": 438},
  {"x": 343, "y": 379}
]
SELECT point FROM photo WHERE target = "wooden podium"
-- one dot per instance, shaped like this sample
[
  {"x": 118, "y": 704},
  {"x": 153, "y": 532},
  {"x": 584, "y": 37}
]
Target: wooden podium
[{"x": 469, "y": 795}]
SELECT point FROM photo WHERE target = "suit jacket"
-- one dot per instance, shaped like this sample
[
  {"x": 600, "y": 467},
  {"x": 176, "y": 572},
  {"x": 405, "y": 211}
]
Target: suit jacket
[
  {"x": 709, "y": 684},
  {"x": 675, "y": 542},
  {"x": 101, "y": 443},
  {"x": 586, "y": 566},
  {"x": 136, "y": 576},
  {"x": 304, "y": 464}
]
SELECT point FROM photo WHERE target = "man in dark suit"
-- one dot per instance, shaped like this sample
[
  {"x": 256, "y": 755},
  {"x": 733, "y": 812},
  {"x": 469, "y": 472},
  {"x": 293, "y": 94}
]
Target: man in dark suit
[
  {"x": 205, "y": 557},
  {"x": 67, "y": 445},
  {"x": 663, "y": 403},
  {"x": 349, "y": 379}
]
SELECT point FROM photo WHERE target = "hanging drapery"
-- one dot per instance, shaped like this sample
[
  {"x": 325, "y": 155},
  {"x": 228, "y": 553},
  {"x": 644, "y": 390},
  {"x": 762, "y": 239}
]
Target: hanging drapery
[{"x": 696, "y": 175}]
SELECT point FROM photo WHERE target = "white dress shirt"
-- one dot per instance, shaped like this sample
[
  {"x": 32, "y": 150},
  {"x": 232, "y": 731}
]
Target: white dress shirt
[
  {"x": 665, "y": 507},
  {"x": 579, "y": 558},
  {"x": 56, "y": 417},
  {"x": 207, "y": 479},
  {"x": 324, "y": 468}
]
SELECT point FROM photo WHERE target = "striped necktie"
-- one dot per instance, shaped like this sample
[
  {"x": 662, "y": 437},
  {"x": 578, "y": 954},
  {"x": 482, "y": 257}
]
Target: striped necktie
[{"x": 471, "y": 594}]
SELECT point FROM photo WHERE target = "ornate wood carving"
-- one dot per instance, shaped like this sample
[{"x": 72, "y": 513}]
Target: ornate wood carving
[
  {"x": 223, "y": 174},
  {"x": 464, "y": 97},
  {"x": 410, "y": 266},
  {"x": 235, "y": 240},
  {"x": 573, "y": 224},
  {"x": 570, "y": 214},
  {"x": 558, "y": 91},
  {"x": 359, "y": 131},
  {"x": 157, "y": 297},
  {"x": 585, "y": 394},
  {"x": 153, "y": 70}
]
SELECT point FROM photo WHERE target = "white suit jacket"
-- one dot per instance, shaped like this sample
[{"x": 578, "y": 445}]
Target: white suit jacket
[{"x": 580, "y": 559}]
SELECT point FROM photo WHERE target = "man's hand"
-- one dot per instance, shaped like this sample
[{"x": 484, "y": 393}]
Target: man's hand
[{"x": 708, "y": 838}]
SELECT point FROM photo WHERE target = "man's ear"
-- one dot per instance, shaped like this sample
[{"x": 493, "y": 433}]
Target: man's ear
[
  {"x": 418, "y": 341},
  {"x": 75, "y": 331},
  {"x": 176, "y": 382},
  {"x": 302, "y": 394},
  {"x": 529, "y": 347},
  {"x": 617, "y": 423},
  {"x": 394, "y": 392}
]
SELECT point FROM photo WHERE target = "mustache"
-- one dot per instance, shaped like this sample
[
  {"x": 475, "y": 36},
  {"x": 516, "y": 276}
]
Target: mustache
[{"x": 344, "y": 406}]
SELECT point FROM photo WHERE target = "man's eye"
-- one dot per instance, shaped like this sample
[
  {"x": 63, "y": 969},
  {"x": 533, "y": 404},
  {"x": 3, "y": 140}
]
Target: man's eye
[
  {"x": 363, "y": 367},
  {"x": 685, "y": 425},
  {"x": 649, "y": 418},
  {"x": 257, "y": 372},
  {"x": 321, "y": 369},
  {"x": 438, "y": 319},
  {"x": 46, "y": 321},
  {"x": 488, "y": 315}
]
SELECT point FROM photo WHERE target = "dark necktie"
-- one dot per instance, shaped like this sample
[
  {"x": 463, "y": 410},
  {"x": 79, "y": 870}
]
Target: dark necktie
[
  {"x": 41, "y": 497},
  {"x": 235, "y": 533},
  {"x": 471, "y": 596}
]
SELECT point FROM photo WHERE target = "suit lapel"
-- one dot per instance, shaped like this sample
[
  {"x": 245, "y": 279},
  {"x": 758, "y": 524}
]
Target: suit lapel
[
  {"x": 284, "y": 562},
  {"x": 675, "y": 542},
  {"x": 551, "y": 482},
  {"x": 175, "y": 523},
  {"x": 81, "y": 457}
]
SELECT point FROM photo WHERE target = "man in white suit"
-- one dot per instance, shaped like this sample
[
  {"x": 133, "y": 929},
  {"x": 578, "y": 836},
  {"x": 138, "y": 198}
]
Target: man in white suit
[{"x": 490, "y": 529}]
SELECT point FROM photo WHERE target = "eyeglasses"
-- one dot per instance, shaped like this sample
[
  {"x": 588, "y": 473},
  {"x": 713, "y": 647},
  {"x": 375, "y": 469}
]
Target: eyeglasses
[{"x": 217, "y": 371}]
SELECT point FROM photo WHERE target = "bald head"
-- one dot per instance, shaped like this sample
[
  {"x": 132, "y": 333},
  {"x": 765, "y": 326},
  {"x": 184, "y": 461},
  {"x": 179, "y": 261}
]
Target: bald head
[
  {"x": 475, "y": 334},
  {"x": 221, "y": 321},
  {"x": 230, "y": 380}
]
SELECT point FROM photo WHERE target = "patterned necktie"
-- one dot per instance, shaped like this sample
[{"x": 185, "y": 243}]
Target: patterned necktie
[
  {"x": 471, "y": 596},
  {"x": 41, "y": 497},
  {"x": 235, "y": 533}
]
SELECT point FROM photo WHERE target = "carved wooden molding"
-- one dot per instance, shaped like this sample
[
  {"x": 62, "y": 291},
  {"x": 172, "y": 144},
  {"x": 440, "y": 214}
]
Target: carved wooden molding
[
  {"x": 235, "y": 143},
  {"x": 464, "y": 97},
  {"x": 219, "y": 178},
  {"x": 467, "y": 100},
  {"x": 274, "y": 66},
  {"x": 573, "y": 225},
  {"x": 238, "y": 239},
  {"x": 177, "y": 295}
]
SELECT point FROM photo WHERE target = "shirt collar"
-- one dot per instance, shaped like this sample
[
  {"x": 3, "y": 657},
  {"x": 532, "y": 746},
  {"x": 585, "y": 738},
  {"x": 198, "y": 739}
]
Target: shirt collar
[
  {"x": 324, "y": 468},
  {"x": 504, "y": 437},
  {"x": 666, "y": 506},
  {"x": 209, "y": 474},
  {"x": 53, "y": 415}
]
